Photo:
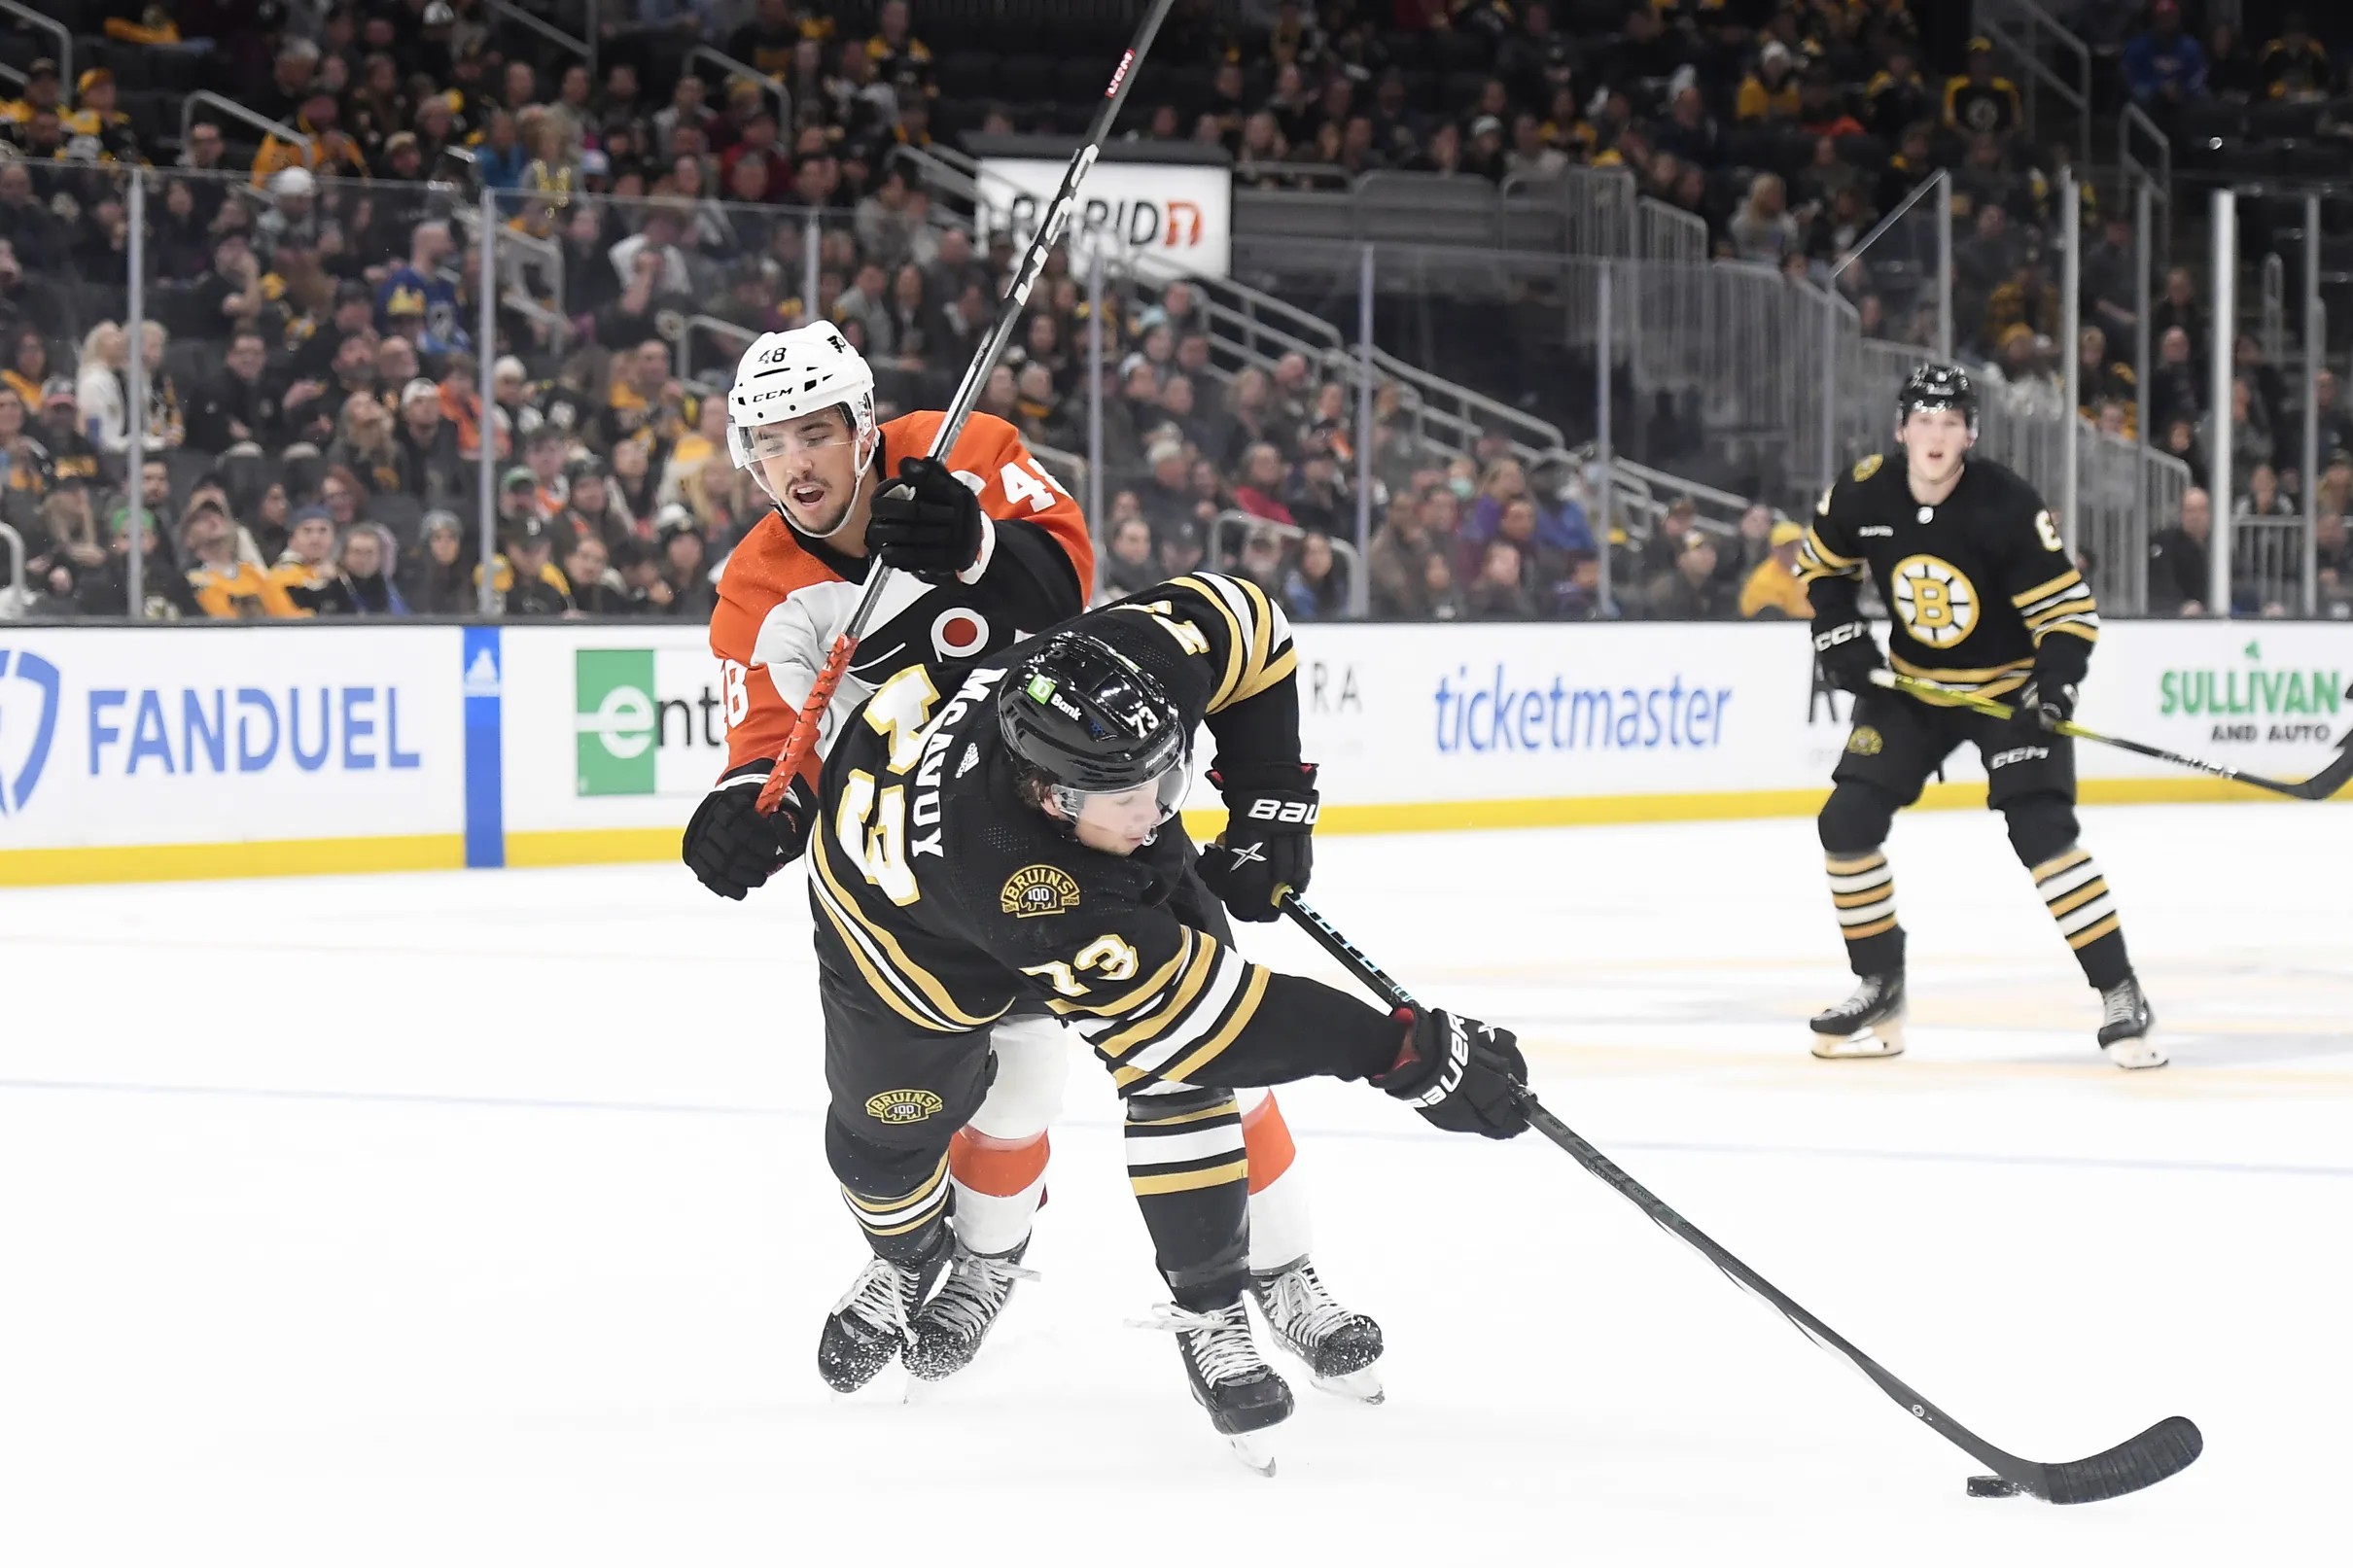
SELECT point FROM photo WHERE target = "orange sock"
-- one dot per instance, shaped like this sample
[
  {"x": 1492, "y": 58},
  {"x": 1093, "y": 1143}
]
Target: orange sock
[
  {"x": 1267, "y": 1138},
  {"x": 1002, "y": 1167}
]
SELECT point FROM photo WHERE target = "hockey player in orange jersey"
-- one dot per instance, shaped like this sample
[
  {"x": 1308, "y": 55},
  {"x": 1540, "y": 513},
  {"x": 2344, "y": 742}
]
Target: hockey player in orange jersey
[{"x": 986, "y": 548}]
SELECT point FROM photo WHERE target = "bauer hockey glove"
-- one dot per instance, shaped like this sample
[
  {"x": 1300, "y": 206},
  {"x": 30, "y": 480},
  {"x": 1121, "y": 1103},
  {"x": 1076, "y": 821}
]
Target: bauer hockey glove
[
  {"x": 1848, "y": 655},
  {"x": 730, "y": 847},
  {"x": 927, "y": 521},
  {"x": 1458, "y": 1073},
  {"x": 1268, "y": 843}
]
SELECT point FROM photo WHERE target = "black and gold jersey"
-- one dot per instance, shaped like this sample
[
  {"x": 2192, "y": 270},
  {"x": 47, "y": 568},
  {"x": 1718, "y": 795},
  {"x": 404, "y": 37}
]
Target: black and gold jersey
[
  {"x": 943, "y": 896},
  {"x": 1975, "y": 586}
]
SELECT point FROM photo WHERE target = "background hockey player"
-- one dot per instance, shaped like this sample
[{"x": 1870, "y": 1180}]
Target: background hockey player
[
  {"x": 1013, "y": 852},
  {"x": 986, "y": 547},
  {"x": 1984, "y": 598}
]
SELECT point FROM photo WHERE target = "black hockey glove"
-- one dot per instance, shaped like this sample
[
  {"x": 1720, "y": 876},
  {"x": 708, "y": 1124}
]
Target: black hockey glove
[
  {"x": 730, "y": 847},
  {"x": 2042, "y": 706},
  {"x": 1269, "y": 815},
  {"x": 1848, "y": 655},
  {"x": 927, "y": 521},
  {"x": 1458, "y": 1073}
]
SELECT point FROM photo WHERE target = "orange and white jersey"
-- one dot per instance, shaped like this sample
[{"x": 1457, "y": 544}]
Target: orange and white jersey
[{"x": 784, "y": 598}]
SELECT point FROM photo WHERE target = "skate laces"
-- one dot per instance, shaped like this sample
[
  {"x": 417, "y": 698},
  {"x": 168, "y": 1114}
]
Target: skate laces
[
  {"x": 878, "y": 1298},
  {"x": 977, "y": 1286},
  {"x": 1219, "y": 1342},
  {"x": 1299, "y": 1306},
  {"x": 2120, "y": 1004}
]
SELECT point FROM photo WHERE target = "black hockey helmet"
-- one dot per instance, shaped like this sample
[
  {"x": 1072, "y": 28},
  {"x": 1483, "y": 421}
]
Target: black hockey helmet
[
  {"x": 1082, "y": 720},
  {"x": 1938, "y": 386}
]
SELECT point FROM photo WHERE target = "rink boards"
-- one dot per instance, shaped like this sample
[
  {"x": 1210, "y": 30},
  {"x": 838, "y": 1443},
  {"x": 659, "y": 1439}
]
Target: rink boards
[{"x": 133, "y": 755}]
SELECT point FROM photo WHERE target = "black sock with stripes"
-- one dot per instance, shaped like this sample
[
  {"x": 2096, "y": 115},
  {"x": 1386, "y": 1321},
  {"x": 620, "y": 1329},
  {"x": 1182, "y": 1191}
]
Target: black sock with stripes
[
  {"x": 2072, "y": 887},
  {"x": 1862, "y": 890},
  {"x": 899, "y": 1197},
  {"x": 1191, "y": 1175}
]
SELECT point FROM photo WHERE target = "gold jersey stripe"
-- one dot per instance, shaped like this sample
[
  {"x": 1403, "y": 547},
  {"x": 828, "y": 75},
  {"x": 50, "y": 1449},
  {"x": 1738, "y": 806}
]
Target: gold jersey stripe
[
  {"x": 1143, "y": 1031},
  {"x": 1273, "y": 675},
  {"x": 875, "y": 981},
  {"x": 924, "y": 980},
  {"x": 2065, "y": 579},
  {"x": 1186, "y": 1181},
  {"x": 1956, "y": 678},
  {"x": 1236, "y": 1022},
  {"x": 1829, "y": 557},
  {"x": 1128, "y": 1001},
  {"x": 1236, "y": 642},
  {"x": 2073, "y": 628}
]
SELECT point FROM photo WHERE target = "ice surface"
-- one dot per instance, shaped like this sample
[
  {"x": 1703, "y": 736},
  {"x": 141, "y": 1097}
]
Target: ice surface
[{"x": 481, "y": 1219}]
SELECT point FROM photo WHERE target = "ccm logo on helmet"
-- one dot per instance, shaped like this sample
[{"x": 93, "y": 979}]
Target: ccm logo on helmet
[{"x": 1285, "y": 811}]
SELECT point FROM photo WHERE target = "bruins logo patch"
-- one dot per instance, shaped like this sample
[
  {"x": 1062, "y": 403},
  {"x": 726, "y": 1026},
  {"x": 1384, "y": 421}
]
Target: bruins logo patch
[
  {"x": 899, "y": 1107},
  {"x": 1865, "y": 741},
  {"x": 1934, "y": 599},
  {"x": 1038, "y": 890},
  {"x": 1867, "y": 467}
]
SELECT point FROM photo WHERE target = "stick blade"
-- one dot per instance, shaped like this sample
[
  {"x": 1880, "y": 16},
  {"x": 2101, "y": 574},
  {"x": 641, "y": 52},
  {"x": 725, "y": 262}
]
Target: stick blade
[
  {"x": 2165, "y": 1449},
  {"x": 2333, "y": 778}
]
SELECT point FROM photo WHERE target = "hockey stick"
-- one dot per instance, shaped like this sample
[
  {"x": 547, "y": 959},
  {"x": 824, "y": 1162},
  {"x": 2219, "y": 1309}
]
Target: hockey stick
[
  {"x": 803, "y": 739},
  {"x": 2320, "y": 786},
  {"x": 2163, "y": 1449}
]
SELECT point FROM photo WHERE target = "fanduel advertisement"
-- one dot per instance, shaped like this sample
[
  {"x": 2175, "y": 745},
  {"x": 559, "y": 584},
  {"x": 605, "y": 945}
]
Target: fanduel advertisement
[
  {"x": 146, "y": 737},
  {"x": 1166, "y": 217}
]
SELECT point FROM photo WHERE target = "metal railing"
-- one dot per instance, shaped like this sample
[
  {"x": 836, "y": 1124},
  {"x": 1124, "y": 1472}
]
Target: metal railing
[
  {"x": 729, "y": 66},
  {"x": 14, "y": 601},
  {"x": 1248, "y": 523},
  {"x": 1067, "y": 466},
  {"x": 9, "y": 74},
  {"x": 235, "y": 111},
  {"x": 50, "y": 25},
  {"x": 582, "y": 47},
  {"x": 1307, "y": 176},
  {"x": 716, "y": 327},
  {"x": 2268, "y": 562},
  {"x": 2024, "y": 30}
]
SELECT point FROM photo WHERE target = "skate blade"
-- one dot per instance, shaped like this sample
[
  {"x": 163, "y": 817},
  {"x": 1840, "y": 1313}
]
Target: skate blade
[
  {"x": 1257, "y": 1450},
  {"x": 1362, "y": 1385},
  {"x": 2134, "y": 1055},
  {"x": 1881, "y": 1040}
]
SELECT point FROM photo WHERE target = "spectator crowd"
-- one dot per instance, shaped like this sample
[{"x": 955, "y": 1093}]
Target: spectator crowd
[{"x": 314, "y": 337}]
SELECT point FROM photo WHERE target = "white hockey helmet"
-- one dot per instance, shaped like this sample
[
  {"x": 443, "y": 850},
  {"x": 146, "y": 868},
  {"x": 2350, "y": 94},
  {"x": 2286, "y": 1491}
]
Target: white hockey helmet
[{"x": 784, "y": 376}]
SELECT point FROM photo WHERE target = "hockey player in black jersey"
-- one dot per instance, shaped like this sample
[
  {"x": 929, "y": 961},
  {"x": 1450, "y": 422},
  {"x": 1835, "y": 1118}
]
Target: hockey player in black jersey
[
  {"x": 1006, "y": 855},
  {"x": 1984, "y": 598}
]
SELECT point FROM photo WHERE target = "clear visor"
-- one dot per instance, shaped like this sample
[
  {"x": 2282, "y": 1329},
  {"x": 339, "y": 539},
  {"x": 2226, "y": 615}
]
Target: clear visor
[
  {"x": 761, "y": 443},
  {"x": 1138, "y": 809}
]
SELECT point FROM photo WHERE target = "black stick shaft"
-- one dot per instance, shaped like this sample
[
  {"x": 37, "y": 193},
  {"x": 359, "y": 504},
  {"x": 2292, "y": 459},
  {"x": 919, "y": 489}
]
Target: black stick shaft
[
  {"x": 2320, "y": 786},
  {"x": 2141, "y": 1462},
  {"x": 803, "y": 739}
]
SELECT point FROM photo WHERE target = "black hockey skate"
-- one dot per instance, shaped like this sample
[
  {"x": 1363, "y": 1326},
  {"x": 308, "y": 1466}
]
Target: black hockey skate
[
  {"x": 1230, "y": 1379},
  {"x": 2125, "y": 1020},
  {"x": 946, "y": 1333},
  {"x": 867, "y": 1329},
  {"x": 1868, "y": 1024},
  {"x": 1338, "y": 1345}
]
